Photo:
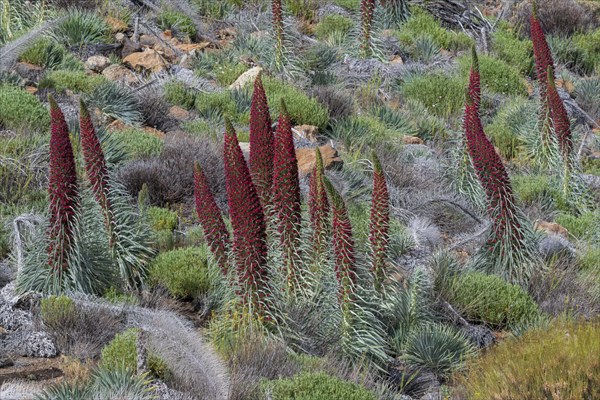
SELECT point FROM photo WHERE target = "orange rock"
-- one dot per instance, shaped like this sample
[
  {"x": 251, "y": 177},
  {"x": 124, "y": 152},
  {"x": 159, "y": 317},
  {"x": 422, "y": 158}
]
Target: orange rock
[
  {"x": 187, "y": 47},
  {"x": 179, "y": 113},
  {"x": 148, "y": 59},
  {"x": 31, "y": 89},
  {"x": 551, "y": 228},
  {"x": 306, "y": 159},
  {"x": 407, "y": 139},
  {"x": 154, "y": 132}
]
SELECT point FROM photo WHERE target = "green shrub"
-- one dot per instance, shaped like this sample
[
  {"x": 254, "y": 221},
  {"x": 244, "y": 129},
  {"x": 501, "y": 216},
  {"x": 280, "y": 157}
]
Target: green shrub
[
  {"x": 57, "y": 310},
  {"x": 584, "y": 226},
  {"x": 579, "y": 53},
  {"x": 162, "y": 219},
  {"x": 302, "y": 108},
  {"x": 421, "y": 23},
  {"x": 221, "y": 103},
  {"x": 116, "y": 101},
  {"x": 179, "y": 94},
  {"x": 183, "y": 272},
  {"x": 178, "y": 22},
  {"x": 514, "y": 51},
  {"x": 4, "y": 240},
  {"x": 115, "y": 296},
  {"x": 137, "y": 143},
  {"x": 505, "y": 131},
  {"x": 333, "y": 24},
  {"x": 362, "y": 130},
  {"x": 558, "y": 362},
  {"x": 490, "y": 299},
  {"x": 79, "y": 28},
  {"x": 590, "y": 259},
  {"x": 532, "y": 188},
  {"x": 159, "y": 368},
  {"x": 442, "y": 94},
  {"x": 51, "y": 55},
  {"x": 20, "y": 110},
  {"x": 226, "y": 73},
  {"x": 76, "y": 81},
  {"x": 496, "y": 75},
  {"x": 121, "y": 352},
  {"x": 316, "y": 386}
]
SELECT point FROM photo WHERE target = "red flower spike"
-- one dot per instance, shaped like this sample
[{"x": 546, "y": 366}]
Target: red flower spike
[
  {"x": 63, "y": 191},
  {"x": 343, "y": 245},
  {"x": 210, "y": 218},
  {"x": 286, "y": 190},
  {"x": 560, "y": 118},
  {"x": 541, "y": 53},
  {"x": 493, "y": 177},
  {"x": 367, "y": 11},
  {"x": 318, "y": 205},
  {"x": 475, "y": 79},
  {"x": 261, "y": 143},
  {"x": 379, "y": 224},
  {"x": 278, "y": 28},
  {"x": 248, "y": 222},
  {"x": 95, "y": 163}
]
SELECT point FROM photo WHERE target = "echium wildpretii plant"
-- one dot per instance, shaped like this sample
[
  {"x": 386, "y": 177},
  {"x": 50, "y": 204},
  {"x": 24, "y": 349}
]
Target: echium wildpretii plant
[
  {"x": 277, "y": 11},
  {"x": 211, "y": 220},
  {"x": 367, "y": 13},
  {"x": 63, "y": 193},
  {"x": 261, "y": 143},
  {"x": 541, "y": 54},
  {"x": 318, "y": 207},
  {"x": 248, "y": 223},
  {"x": 128, "y": 241},
  {"x": 379, "y": 224},
  {"x": 286, "y": 195},
  {"x": 507, "y": 250},
  {"x": 395, "y": 12},
  {"x": 343, "y": 246}
]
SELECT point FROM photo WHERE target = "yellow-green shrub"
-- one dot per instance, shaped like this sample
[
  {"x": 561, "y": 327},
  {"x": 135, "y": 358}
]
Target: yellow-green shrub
[
  {"x": 496, "y": 75},
  {"x": 56, "y": 310},
  {"x": 317, "y": 386},
  {"x": 121, "y": 352},
  {"x": 138, "y": 143},
  {"x": 442, "y": 94},
  {"x": 21, "y": 110},
  {"x": 333, "y": 24},
  {"x": 76, "y": 81},
  {"x": 559, "y": 362}
]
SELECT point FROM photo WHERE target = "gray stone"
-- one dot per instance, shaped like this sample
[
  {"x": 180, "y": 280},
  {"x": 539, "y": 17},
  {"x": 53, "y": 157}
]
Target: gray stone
[
  {"x": 13, "y": 319},
  {"x": 38, "y": 344},
  {"x": 479, "y": 335},
  {"x": 97, "y": 63},
  {"x": 553, "y": 245}
]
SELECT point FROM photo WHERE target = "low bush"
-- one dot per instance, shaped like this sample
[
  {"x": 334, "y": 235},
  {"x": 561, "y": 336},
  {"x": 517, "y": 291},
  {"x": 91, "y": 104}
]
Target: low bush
[
  {"x": 490, "y": 299},
  {"x": 574, "y": 54},
  {"x": 20, "y": 110},
  {"x": 442, "y": 94},
  {"x": 80, "y": 28},
  {"x": 217, "y": 105},
  {"x": 513, "y": 50},
  {"x": 177, "y": 22},
  {"x": 587, "y": 92},
  {"x": 76, "y": 81},
  {"x": 558, "y": 17},
  {"x": 162, "y": 219},
  {"x": 590, "y": 259},
  {"x": 121, "y": 352},
  {"x": 497, "y": 76},
  {"x": 227, "y": 73},
  {"x": 558, "y": 362},
  {"x": 583, "y": 226},
  {"x": 57, "y": 310},
  {"x": 301, "y": 108},
  {"x": 51, "y": 55},
  {"x": 333, "y": 24},
  {"x": 352, "y": 5},
  {"x": 421, "y": 23},
  {"x": 183, "y": 272},
  {"x": 533, "y": 188},
  {"x": 159, "y": 368},
  {"x": 508, "y": 124},
  {"x": 137, "y": 143},
  {"x": 179, "y": 94},
  {"x": 316, "y": 386}
]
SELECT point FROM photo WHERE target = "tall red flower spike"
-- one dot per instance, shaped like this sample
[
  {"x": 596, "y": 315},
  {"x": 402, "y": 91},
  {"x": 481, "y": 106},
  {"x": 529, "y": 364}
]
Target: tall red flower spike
[
  {"x": 379, "y": 224},
  {"x": 261, "y": 143},
  {"x": 278, "y": 28},
  {"x": 343, "y": 246},
  {"x": 286, "y": 191},
  {"x": 318, "y": 205},
  {"x": 367, "y": 11},
  {"x": 210, "y": 218},
  {"x": 95, "y": 165},
  {"x": 475, "y": 80},
  {"x": 494, "y": 180},
  {"x": 541, "y": 53},
  {"x": 63, "y": 191},
  {"x": 560, "y": 118},
  {"x": 248, "y": 222}
]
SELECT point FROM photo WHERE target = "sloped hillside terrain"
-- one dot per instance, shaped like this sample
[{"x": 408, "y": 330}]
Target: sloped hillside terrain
[{"x": 299, "y": 199}]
